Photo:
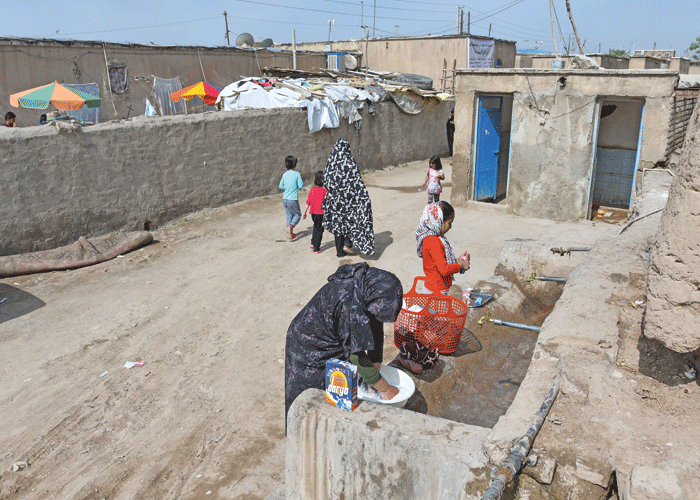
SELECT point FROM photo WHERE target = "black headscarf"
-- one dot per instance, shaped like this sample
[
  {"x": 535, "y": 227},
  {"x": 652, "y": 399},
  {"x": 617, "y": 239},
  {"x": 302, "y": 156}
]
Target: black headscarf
[
  {"x": 347, "y": 206},
  {"x": 376, "y": 293}
]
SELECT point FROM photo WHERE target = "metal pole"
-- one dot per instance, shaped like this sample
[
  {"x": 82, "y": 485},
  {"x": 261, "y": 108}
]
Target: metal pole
[
  {"x": 521, "y": 326},
  {"x": 461, "y": 22},
  {"x": 458, "y": 11},
  {"x": 469, "y": 23},
  {"x": 374, "y": 22},
  {"x": 551, "y": 278},
  {"x": 294, "y": 49},
  {"x": 554, "y": 37},
  {"x": 228, "y": 42},
  {"x": 489, "y": 30}
]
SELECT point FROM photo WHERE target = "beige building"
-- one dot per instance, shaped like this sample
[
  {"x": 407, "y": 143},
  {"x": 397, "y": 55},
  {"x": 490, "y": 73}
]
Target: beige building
[
  {"x": 664, "y": 54},
  {"x": 124, "y": 73},
  {"x": 556, "y": 143},
  {"x": 640, "y": 61},
  {"x": 426, "y": 56}
]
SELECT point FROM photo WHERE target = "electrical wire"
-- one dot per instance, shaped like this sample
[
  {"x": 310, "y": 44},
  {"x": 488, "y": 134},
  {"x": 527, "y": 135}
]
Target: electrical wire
[
  {"x": 333, "y": 11},
  {"x": 356, "y": 4},
  {"x": 129, "y": 29}
]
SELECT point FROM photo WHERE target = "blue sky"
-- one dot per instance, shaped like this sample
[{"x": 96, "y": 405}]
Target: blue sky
[{"x": 610, "y": 24}]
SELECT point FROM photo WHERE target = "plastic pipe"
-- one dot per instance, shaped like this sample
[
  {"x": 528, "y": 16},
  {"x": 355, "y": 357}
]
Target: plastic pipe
[
  {"x": 551, "y": 278},
  {"x": 522, "y": 326},
  {"x": 514, "y": 462}
]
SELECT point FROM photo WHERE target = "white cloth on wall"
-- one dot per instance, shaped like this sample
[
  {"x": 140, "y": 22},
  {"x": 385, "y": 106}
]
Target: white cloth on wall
[
  {"x": 162, "y": 88},
  {"x": 321, "y": 113},
  {"x": 150, "y": 110}
]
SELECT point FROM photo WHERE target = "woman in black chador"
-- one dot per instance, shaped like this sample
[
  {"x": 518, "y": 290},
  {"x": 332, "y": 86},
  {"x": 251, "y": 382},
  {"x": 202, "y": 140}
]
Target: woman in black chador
[
  {"x": 343, "y": 320},
  {"x": 347, "y": 207},
  {"x": 450, "y": 126}
]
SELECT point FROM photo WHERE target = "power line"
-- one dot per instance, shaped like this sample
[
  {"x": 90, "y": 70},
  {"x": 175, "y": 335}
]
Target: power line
[
  {"x": 390, "y": 8},
  {"x": 334, "y": 12},
  {"x": 134, "y": 28}
]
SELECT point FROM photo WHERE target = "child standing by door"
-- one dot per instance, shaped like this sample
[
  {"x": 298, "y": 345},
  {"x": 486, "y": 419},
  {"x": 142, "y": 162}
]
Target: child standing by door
[
  {"x": 291, "y": 182},
  {"x": 433, "y": 178},
  {"x": 315, "y": 202}
]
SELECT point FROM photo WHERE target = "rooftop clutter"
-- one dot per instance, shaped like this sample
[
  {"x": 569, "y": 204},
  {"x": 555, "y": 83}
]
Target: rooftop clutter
[{"x": 328, "y": 100}]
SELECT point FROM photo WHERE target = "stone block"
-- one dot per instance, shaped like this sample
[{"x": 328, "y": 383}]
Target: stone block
[
  {"x": 379, "y": 452},
  {"x": 654, "y": 483}
]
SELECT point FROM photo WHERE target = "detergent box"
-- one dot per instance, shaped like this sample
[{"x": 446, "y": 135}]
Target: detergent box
[{"x": 341, "y": 384}]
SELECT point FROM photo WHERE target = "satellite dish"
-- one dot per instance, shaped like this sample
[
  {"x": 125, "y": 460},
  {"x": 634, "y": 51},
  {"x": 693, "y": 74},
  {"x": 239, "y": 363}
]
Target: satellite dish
[
  {"x": 266, "y": 43},
  {"x": 245, "y": 39},
  {"x": 350, "y": 62}
]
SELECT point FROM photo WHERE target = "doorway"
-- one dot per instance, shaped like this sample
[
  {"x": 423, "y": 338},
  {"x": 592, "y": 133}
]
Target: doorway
[
  {"x": 492, "y": 146},
  {"x": 616, "y": 153}
]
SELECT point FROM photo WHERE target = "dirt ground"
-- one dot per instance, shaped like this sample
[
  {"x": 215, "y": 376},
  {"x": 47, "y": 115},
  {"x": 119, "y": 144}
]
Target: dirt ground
[{"x": 206, "y": 308}]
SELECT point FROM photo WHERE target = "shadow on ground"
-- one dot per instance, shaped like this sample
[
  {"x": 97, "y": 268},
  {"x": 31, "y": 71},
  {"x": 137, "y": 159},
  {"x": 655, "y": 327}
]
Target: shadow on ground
[
  {"x": 16, "y": 303},
  {"x": 381, "y": 242},
  {"x": 665, "y": 365}
]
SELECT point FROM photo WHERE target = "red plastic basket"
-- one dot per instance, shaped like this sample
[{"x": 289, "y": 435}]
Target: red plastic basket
[{"x": 439, "y": 323}]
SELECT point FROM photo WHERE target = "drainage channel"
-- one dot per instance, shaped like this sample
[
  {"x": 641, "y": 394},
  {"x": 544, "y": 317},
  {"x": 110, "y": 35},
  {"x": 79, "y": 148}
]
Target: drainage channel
[{"x": 478, "y": 382}]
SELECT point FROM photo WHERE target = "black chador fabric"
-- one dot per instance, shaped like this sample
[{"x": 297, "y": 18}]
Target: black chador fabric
[
  {"x": 344, "y": 317},
  {"x": 347, "y": 207}
]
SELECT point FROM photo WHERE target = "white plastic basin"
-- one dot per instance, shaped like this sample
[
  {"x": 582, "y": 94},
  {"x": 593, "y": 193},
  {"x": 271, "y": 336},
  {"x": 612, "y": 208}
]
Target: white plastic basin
[{"x": 396, "y": 378}]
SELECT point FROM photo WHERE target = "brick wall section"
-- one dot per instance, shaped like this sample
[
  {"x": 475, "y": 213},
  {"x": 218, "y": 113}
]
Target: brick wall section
[
  {"x": 683, "y": 104},
  {"x": 56, "y": 186}
]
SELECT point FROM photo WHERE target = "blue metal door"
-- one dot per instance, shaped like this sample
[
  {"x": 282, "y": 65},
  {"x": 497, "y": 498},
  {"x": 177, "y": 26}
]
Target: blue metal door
[{"x": 488, "y": 144}]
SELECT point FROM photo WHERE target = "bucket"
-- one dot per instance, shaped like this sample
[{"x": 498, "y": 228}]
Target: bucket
[{"x": 394, "y": 377}]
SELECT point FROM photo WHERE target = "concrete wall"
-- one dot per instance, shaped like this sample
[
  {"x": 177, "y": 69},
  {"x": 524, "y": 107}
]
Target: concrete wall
[
  {"x": 544, "y": 61},
  {"x": 694, "y": 69},
  {"x": 680, "y": 64},
  {"x": 379, "y": 452},
  {"x": 26, "y": 64},
  {"x": 550, "y": 163},
  {"x": 647, "y": 62},
  {"x": 425, "y": 56},
  {"x": 58, "y": 185}
]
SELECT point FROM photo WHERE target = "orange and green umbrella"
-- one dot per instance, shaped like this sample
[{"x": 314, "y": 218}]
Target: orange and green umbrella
[
  {"x": 54, "y": 93},
  {"x": 208, "y": 93}
]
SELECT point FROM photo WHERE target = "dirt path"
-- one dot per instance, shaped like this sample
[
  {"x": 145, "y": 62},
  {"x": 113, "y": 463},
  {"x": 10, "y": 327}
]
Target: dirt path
[{"x": 206, "y": 308}]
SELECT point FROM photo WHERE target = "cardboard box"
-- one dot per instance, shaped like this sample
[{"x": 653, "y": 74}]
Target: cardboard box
[{"x": 341, "y": 384}]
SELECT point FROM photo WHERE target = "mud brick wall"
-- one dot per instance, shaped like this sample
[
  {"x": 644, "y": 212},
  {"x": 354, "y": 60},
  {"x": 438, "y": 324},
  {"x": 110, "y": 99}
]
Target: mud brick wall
[{"x": 58, "y": 185}]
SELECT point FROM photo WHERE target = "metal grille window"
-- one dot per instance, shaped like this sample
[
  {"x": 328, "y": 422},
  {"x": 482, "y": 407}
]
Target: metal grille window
[{"x": 118, "y": 78}]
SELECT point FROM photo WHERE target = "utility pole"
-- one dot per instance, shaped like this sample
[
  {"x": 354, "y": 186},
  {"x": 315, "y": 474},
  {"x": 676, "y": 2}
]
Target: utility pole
[
  {"x": 374, "y": 22},
  {"x": 461, "y": 23},
  {"x": 459, "y": 9},
  {"x": 489, "y": 30},
  {"x": 294, "y": 49},
  {"x": 330, "y": 23},
  {"x": 228, "y": 42},
  {"x": 469, "y": 22},
  {"x": 364, "y": 56},
  {"x": 554, "y": 37},
  {"x": 362, "y": 16},
  {"x": 397, "y": 30},
  {"x": 571, "y": 18},
  {"x": 599, "y": 49}
]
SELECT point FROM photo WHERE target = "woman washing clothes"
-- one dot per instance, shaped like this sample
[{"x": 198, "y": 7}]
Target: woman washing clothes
[
  {"x": 439, "y": 267},
  {"x": 344, "y": 320},
  {"x": 347, "y": 207}
]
